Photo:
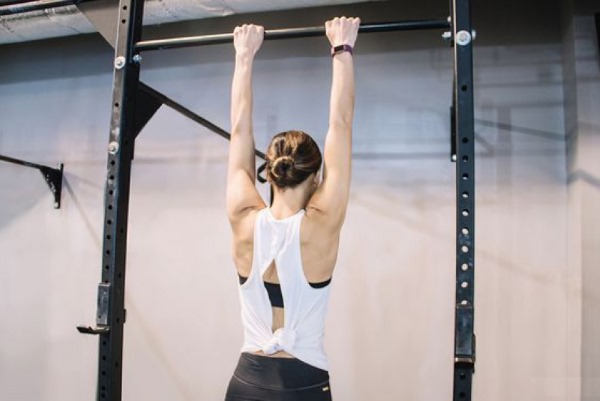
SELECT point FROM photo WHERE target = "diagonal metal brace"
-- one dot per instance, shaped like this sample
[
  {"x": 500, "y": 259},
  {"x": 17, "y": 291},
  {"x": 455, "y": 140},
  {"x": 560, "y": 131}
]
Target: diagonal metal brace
[{"x": 163, "y": 99}]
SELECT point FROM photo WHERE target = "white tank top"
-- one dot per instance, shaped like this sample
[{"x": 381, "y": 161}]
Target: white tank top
[{"x": 305, "y": 307}]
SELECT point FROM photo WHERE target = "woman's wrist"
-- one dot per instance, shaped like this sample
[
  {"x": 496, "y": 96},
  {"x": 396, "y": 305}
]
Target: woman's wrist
[
  {"x": 339, "y": 49},
  {"x": 244, "y": 55}
]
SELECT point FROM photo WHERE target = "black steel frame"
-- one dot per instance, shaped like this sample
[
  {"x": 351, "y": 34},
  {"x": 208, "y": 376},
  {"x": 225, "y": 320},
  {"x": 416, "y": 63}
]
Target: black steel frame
[
  {"x": 52, "y": 176},
  {"x": 463, "y": 119},
  {"x": 134, "y": 103}
]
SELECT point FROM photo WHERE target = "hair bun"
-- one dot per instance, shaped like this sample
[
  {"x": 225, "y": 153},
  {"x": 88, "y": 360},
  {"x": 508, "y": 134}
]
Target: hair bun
[{"x": 282, "y": 165}]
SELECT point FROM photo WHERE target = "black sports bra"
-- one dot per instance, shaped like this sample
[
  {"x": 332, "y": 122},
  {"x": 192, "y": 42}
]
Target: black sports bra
[{"x": 274, "y": 290}]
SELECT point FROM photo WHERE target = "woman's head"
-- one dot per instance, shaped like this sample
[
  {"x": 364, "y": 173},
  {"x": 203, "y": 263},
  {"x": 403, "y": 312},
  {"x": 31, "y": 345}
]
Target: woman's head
[{"x": 292, "y": 157}]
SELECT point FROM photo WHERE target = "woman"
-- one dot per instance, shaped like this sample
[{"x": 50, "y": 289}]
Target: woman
[{"x": 285, "y": 254}]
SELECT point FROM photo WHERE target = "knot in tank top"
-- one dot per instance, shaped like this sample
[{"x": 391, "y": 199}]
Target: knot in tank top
[{"x": 305, "y": 309}]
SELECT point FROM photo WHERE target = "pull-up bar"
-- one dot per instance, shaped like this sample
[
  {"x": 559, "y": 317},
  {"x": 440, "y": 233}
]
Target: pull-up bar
[{"x": 290, "y": 33}]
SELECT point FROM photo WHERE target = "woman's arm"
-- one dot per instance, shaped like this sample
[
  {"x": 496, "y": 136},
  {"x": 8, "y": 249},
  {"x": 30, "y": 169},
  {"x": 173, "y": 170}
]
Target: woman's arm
[
  {"x": 331, "y": 198},
  {"x": 242, "y": 195}
]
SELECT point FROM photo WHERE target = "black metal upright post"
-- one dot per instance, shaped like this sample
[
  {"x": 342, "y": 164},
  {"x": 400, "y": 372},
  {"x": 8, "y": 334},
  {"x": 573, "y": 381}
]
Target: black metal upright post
[
  {"x": 111, "y": 292},
  {"x": 464, "y": 337}
]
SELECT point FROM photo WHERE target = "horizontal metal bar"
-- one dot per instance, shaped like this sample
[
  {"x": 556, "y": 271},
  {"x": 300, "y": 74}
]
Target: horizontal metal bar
[
  {"x": 22, "y": 162},
  {"x": 52, "y": 176},
  {"x": 290, "y": 33},
  {"x": 24, "y": 7}
]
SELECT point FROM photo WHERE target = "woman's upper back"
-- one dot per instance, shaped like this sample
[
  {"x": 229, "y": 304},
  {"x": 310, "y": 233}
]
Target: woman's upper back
[{"x": 318, "y": 243}]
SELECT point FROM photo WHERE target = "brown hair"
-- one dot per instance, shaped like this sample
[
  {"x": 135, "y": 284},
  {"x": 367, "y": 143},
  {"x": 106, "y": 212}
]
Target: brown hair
[{"x": 291, "y": 158}]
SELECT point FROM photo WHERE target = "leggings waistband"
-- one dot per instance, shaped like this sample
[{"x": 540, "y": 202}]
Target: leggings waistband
[{"x": 279, "y": 373}]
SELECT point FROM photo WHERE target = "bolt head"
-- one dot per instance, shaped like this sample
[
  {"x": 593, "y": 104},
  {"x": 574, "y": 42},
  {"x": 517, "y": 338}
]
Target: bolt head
[
  {"x": 113, "y": 148},
  {"x": 119, "y": 62},
  {"x": 463, "y": 38},
  {"x": 137, "y": 58}
]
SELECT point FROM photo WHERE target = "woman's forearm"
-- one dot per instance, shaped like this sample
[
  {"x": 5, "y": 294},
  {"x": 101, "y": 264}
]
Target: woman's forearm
[
  {"x": 342, "y": 91},
  {"x": 241, "y": 94}
]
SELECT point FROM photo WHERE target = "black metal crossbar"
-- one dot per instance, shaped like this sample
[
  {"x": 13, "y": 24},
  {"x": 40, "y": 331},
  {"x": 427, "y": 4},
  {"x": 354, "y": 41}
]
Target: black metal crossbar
[
  {"x": 52, "y": 176},
  {"x": 290, "y": 33}
]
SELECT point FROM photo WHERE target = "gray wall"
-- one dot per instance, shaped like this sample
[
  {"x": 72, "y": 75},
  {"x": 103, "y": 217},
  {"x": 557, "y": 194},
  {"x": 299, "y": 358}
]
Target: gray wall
[{"x": 390, "y": 328}]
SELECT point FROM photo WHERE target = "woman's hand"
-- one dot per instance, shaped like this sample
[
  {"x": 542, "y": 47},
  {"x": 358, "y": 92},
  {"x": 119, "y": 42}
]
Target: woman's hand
[
  {"x": 248, "y": 38},
  {"x": 342, "y": 31}
]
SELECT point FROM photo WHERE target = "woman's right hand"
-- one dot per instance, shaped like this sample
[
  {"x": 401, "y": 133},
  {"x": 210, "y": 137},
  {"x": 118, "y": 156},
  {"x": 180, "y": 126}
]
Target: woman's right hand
[
  {"x": 342, "y": 31},
  {"x": 248, "y": 38}
]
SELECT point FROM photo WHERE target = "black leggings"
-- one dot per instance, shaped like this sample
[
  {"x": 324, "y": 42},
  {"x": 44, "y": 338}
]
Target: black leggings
[{"x": 262, "y": 378}]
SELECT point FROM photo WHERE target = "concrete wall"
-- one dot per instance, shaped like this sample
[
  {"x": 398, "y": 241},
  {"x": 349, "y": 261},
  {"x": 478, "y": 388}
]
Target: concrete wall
[
  {"x": 390, "y": 328},
  {"x": 582, "y": 102}
]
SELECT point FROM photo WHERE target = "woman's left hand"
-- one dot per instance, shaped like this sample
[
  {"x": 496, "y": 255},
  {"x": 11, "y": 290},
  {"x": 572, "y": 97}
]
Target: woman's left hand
[{"x": 248, "y": 38}]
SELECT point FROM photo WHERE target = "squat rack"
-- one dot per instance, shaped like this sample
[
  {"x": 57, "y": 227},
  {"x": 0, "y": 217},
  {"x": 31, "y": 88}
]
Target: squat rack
[{"x": 134, "y": 104}]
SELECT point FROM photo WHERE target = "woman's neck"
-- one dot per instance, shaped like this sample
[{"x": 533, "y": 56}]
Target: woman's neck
[{"x": 287, "y": 202}]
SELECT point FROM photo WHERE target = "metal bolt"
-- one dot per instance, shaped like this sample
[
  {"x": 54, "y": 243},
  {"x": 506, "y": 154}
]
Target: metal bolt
[
  {"x": 113, "y": 148},
  {"x": 447, "y": 35},
  {"x": 463, "y": 38},
  {"x": 473, "y": 34},
  {"x": 56, "y": 205},
  {"x": 449, "y": 19},
  {"x": 119, "y": 62},
  {"x": 137, "y": 58}
]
